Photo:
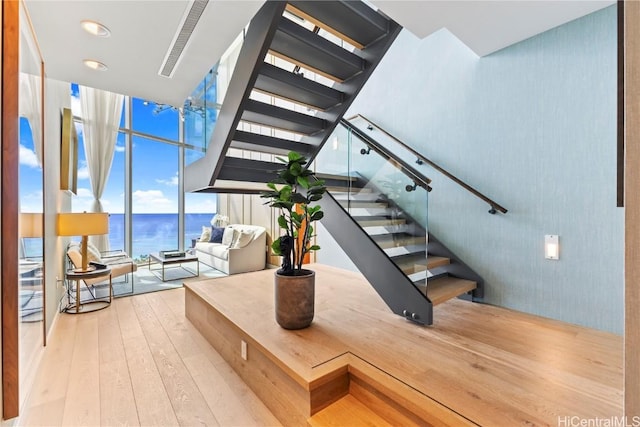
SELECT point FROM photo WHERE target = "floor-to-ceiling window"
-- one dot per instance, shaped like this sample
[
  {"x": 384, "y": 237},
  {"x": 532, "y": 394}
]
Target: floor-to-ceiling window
[
  {"x": 154, "y": 197},
  {"x": 142, "y": 194}
]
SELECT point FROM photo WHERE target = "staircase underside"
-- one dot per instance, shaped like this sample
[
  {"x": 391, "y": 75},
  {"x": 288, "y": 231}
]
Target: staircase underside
[{"x": 300, "y": 67}]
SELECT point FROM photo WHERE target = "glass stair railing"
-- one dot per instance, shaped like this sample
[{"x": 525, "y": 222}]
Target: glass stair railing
[
  {"x": 381, "y": 196},
  {"x": 383, "y": 200},
  {"x": 385, "y": 233},
  {"x": 202, "y": 108},
  {"x": 369, "y": 129}
]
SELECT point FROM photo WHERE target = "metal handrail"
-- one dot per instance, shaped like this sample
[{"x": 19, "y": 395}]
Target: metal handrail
[
  {"x": 413, "y": 174},
  {"x": 495, "y": 207}
]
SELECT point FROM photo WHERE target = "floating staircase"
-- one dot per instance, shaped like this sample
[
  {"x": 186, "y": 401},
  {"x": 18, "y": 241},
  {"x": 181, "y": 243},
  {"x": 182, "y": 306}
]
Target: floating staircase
[
  {"x": 300, "y": 67},
  {"x": 404, "y": 242}
]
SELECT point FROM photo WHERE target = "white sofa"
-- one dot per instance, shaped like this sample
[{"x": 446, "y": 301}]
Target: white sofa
[{"x": 243, "y": 249}]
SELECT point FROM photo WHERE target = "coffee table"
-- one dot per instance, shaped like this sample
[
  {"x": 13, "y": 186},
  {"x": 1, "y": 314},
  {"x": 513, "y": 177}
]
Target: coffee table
[{"x": 160, "y": 259}]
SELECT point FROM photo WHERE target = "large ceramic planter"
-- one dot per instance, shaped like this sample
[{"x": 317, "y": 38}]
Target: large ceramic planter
[{"x": 294, "y": 299}]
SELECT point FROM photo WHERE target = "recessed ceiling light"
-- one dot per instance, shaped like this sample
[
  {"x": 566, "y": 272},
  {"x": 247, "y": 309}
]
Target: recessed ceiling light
[
  {"x": 95, "y": 28},
  {"x": 95, "y": 65}
]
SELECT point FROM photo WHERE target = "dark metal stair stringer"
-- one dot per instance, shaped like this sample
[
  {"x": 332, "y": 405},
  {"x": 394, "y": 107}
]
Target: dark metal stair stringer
[
  {"x": 203, "y": 172},
  {"x": 393, "y": 286},
  {"x": 252, "y": 73}
]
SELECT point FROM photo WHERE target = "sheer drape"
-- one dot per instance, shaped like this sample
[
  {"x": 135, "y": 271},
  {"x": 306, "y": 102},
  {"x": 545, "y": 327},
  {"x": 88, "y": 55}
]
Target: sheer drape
[
  {"x": 31, "y": 108},
  {"x": 101, "y": 113}
]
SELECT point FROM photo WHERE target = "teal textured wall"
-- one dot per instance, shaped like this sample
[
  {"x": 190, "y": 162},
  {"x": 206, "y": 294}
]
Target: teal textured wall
[{"x": 534, "y": 127}]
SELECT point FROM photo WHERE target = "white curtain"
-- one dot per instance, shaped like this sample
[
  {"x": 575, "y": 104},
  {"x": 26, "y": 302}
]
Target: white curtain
[
  {"x": 101, "y": 113},
  {"x": 30, "y": 106}
]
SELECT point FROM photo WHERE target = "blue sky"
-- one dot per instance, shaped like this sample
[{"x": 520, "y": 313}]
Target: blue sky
[
  {"x": 155, "y": 168},
  {"x": 30, "y": 172}
]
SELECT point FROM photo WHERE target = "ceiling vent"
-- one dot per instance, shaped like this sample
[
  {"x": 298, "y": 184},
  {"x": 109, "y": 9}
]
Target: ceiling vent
[{"x": 181, "y": 38}]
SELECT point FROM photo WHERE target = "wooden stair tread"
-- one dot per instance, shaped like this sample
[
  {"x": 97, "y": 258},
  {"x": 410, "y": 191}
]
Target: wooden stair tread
[
  {"x": 363, "y": 204},
  {"x": 339, "y": 190},
  {"x": 437, "y": 261},
  {"x": 378, "y": 222},
  {"x": 396, "y": 241},
  {"x": 446, "y": 288},
  {"x": 346, "y": 411},
  {"x": 413, "y": 265},
  {"x": 337, "y": 177},
  {"x": 403, "y": 251},
  {"x": 384, "y": 230}
]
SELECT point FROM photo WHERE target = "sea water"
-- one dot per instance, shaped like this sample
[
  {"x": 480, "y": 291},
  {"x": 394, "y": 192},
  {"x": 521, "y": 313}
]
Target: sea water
[
  {"x": 155, "y": 232},
  {"x": 151, "y": 233}
]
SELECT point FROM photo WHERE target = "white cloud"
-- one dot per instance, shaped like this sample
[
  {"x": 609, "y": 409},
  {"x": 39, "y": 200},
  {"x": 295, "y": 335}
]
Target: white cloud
[
  {"x": 83, "y": 201},
  {"x": 28, "y": 157},
  {"x": 76, "y": 109},
  {"x": 31, "y": 202},
  {"x": 119, "y": 148},
  {"x": 173, "y": 181},
  {"x": 81, "y": 205},
  {"x": 83, "y": 170},
  {"x": 85, "y": 193},
  {"x": 202, "y": 206},
  {"x": 152, "y": 201}
]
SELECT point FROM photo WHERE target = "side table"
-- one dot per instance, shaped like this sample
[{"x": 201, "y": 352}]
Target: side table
[{"x": 83, "y": 307}]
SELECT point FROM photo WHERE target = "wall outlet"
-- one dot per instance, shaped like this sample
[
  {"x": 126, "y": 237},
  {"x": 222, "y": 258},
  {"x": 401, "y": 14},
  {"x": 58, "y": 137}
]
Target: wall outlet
[{"x": 243, "y": 349}]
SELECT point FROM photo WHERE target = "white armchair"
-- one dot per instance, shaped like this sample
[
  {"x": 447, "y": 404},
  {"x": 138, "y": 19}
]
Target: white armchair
[{"x": 118, "y": 261}]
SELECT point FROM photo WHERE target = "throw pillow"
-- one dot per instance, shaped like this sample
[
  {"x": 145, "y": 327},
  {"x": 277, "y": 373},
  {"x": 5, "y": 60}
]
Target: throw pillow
[
  {"x": 206, "y": 234},
  {"x": 228, "y": 236},
  {"x": 216, "y": 234},
  {"x": 244, "y": 238}
]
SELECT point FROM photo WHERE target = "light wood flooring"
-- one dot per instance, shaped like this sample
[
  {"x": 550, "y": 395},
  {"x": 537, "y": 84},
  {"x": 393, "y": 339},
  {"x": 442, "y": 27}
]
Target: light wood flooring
[
  {"x": 490, "y": 365},
  {"x": 137, "y": 362}
]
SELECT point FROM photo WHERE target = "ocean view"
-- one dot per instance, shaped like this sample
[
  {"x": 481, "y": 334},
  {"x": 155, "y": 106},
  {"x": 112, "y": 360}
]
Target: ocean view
[
  {"x": 155, "y": 232},
  {"x": 151, "y": 233}
]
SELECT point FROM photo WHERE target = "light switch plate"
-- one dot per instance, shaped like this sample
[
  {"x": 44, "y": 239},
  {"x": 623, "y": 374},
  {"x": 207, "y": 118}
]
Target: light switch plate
[{"x": 551, "y": 246}]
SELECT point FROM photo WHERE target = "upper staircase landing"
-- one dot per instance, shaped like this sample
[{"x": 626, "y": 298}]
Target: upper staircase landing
[{"x": 300, "y": 67}]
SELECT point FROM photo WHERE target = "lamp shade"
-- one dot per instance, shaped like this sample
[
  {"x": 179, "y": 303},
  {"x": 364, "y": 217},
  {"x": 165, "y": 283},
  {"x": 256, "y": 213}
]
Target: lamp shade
[
  {"x": 83, "y": 224},
  {"x": 30, "y": 224}
]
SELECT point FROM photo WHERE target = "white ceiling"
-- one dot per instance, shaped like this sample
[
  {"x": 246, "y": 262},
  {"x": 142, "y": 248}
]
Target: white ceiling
[
  {"x": 143, "y": 30},
  {"x": 141, "y": 33},
  {"x": 487, "y": 26}
]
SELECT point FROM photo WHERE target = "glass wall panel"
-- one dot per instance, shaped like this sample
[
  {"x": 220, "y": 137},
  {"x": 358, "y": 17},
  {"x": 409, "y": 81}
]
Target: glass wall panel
[
  {"x": 30, "y": 247},
  {"x": 191, "y": 156},
  {"x": 199, "y": 209},
  {"x": 154, "y": 197},
  {"x": 31, "y": 327},
  {"x": 155, "y": 119},
  {"x": 201, "y": 111},
  {"x": 113, "y": 196}
]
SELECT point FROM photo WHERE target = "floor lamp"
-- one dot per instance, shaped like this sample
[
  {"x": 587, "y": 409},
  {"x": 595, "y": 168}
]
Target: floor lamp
[{"x": 83, "y": 224}]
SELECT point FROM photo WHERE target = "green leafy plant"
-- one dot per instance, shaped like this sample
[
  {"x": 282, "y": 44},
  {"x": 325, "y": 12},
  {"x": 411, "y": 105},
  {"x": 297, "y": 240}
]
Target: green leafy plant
[{"x": 293, "y": 193}]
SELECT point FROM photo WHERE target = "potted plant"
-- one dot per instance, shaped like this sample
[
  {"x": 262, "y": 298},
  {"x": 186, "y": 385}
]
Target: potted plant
[{"x": 293, "y": 194}]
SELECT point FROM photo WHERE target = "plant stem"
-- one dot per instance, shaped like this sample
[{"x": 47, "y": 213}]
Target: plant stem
[{"x": 292, "y": 258}]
